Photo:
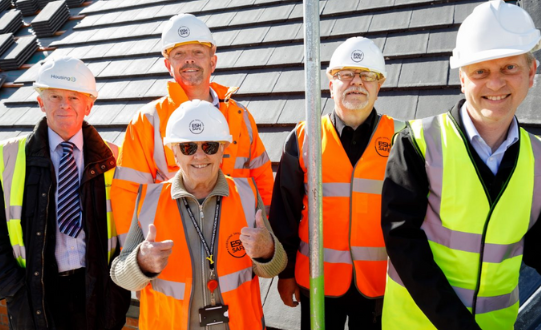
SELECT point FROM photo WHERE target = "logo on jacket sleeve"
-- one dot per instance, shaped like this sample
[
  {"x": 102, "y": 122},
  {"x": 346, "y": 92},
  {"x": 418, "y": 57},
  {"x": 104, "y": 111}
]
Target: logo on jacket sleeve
[
  {"x": 383, "y": 146},
  {"x": 234, "y": 246}
]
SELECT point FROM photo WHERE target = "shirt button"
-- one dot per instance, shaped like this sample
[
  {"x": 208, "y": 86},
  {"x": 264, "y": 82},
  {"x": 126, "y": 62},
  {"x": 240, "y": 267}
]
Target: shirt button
[
  {"x": 234, "y": 142},
  {"x": 111, "y": 162},
  {"x": 38, "y": 233},
  {"x": 36, "y": 274},
  {"x": 102, "y": 167},
  {"x": 44, "y": 195},
  {"x": 38, "y": 312},
  {"x": 92, "y": 172},
  {"x": 240, "y": 111}
]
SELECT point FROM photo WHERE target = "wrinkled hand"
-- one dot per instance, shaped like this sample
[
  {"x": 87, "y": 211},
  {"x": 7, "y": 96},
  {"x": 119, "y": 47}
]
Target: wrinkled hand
[
  {"x": 257, "y": 241},
  {"x": 287, "y": 287},
  {"x": 152, "y": 256}
]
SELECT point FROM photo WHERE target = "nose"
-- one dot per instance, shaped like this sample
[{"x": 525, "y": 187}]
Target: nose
[
  {"x": 495, "y": 81},
  {"x": 357, "y": 79},
  {"x": 199, "y": 153}
]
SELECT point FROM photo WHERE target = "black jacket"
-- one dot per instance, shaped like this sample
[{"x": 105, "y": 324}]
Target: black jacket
[
  {"x": 404, "y": 204},
  {"x": 28, "y": 292}
]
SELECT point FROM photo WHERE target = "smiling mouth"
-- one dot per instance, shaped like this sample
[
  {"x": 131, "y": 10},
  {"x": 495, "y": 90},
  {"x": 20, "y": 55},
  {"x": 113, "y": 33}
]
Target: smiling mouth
[
  {"x": 496, "y": 97},
  {"x": 200, "y": 165}
]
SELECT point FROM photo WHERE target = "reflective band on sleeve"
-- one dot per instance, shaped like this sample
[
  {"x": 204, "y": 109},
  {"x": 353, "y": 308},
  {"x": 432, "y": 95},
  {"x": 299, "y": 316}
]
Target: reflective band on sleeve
[
  {"x": 241, "y": 163},
  {"x": 149, "y": 207},
  {"x": 247, "y": 123},
  {"x": 15, "y": 211},
  {"x": 367, "y": 186},
  {"x": 259, "y": 161},
  {"x": 496, "y": 253},
  {"x": 232, "y": 281},
  {"x": 365, "y": 253},
  {"x": 159, "y": 151},
  {"x": 330, "y": 255},
  {"x": 394, "y": 275},
  {"x": 169, "y": 288},
  {"x": 536, "y": 202},
  {"x": 129, "y": 174},
  {"x": 248, "y": 200},
  {"x": 108, "y": 206},
  {"x": 398, "y": 125}
]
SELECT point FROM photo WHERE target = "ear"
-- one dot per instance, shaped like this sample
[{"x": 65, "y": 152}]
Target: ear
[
  {"x": 168, "y": 66},
  {"x": 533, "y": 69},
  {"x": 41, "y": 105},
  {"x": 330, "y": 88},
  {"x": 213, "y": 62},
  {"x": 89, "y": 106},
  {"x": 462, "y": 77}
]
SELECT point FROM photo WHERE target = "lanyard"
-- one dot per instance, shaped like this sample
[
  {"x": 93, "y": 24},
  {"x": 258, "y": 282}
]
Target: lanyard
[{"x": 200, "y": 233}]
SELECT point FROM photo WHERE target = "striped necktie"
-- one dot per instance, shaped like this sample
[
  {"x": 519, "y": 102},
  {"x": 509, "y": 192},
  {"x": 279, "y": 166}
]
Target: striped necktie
[{"x": 69, "y": 208}]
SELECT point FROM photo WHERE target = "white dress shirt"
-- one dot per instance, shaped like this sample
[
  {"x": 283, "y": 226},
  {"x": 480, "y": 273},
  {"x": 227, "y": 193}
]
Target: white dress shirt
[
  {"x": 70, "y": 252},
  {"x": 491, "y": 159}
]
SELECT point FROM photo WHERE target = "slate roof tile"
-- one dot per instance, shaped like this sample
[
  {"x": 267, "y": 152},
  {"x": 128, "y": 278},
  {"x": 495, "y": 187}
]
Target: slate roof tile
[
  {"x": 228, "y": 58},
  {"x": 141, "y": 46},
  {"x": 334, "y": 7},
  {"x": 112, "y": 17},
  {"x": 462, "y": 10},
  {"x": 282, "y": 32},
  {"x": 327, "y": 106},
  {"x": 97, "y": 52},
  {"x": 22, "y": 94},
  {"x": 170, "y": 8},
  {"x": 125, "y": 16},
  {"x": 327, "y": 48},
  {"x": 89, "y": 20},
  {"x": 286, "y": 55},
  {"x": 231, "y": 79},
  {"x": 136, "y": 88},
  {"x": 405, "y": 2},
  {"x": 158, "y": 66},
  {"x": 140, "y": 65},
  {"x": 426, "y": 73},
  {"x": 276, "y": 13},
  {"x": 255, "y": 57},
  {"x": 293, "y": 111},
  {"x": 369, "y": 4},
  {"x": 194, "y": 7},
  {"x": 393, "y": 73},
  {"x": 400, "y": 105},
  {"x": 212, "y": 5},
  {"x": 271, "y": 138},
  {"x": 127, "y": 112},
  {"x": 148, "y": 13},
  {"x": 112, "y": 89},
  {"x": 225, "y": 38},
  {"x": 112, "y": 136},
  {"x": 442, "y": 41},
  {"x": 290, "y": 81},
  {"x": 115, "y": 68},
  {"x": 266, "y": 111},
  {"x": 297, "y": 11},
  {"x": 158, "y": 89},
  {"x": 220, "y": 19},
  {"x": 9, "y": 118},
  {"x": 528, "y": 111},
  {"x": 81, "y": 36},
  {"x": 30, "y": 116},
  {"x": 352, "y": 25},
  {"x": 406, "y": 44},
  {"x": 103, "y": 114},
  {"x": 433, "y": 102},
  {"x": 147, "y": 29},
  {"x": 103, "y": 34},
  {"x": 432, "y": 16},
  {"x": 260, "y": 82},
  {"x": 454, "y": 79},
  {"x": 251, "y": 35},
  {"x": 246, "y": 16},
  {"x": 237, "y": 3},
  {"x": 395, "y": 20}
]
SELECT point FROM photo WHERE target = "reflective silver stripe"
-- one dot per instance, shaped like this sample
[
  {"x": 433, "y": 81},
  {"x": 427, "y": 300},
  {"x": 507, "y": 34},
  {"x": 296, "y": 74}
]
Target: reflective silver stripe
[
  {"x": 367, "y": 186},
  {"x": 536, "y": 202},
  {"x": 366, "y": 253},
  {"x": 497, "y": 253},
  {"x": 149, "y": 207},
  {"x": 490, "y": 304},
  {"x": 484, "y": 304},
  {"x": 129, "y": 174},
  {"x": 232, "y": 281},
  {"x": 259, "y": 161},
  {"x": 163, "y": 173},
  {"x": 10, "y": 150},
  {"x": 169, "y": 288},
  {"x": 330, "y": 255},
  {"x": 15, "y": 211},
  {"x": 19, "y": 251},
  {"x": 248, "y": 200},
  {"x": 108, "y": 206},
  {"x": 336, "y": 189},
  {"x": 247, "y": 123},
  {"x": 241, "y": 163},
  {"x": 434, "y": 163},
  {"x": 122, "y": 238},
  {"x": 398, "y": 125},
  {"x": 111, "y": 244}
]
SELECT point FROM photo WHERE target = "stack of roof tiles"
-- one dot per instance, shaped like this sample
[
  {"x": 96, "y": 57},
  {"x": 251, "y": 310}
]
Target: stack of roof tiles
[
  {"x": 10, "y": 21},
  {"x": 43, "y": 3},
  {"x": 27, "y": 7},
  {"x": 51, "y": 18},
  {"x": 18, "y": 53},
  {"x": 75, "y": 3},
  {"x": 4, "y": 5},
  {"x": 6, "y": 41}
]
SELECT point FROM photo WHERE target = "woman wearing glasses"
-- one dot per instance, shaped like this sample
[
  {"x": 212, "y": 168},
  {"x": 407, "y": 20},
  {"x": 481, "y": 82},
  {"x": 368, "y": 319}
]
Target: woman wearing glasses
[{"x": 197, "y": 240}]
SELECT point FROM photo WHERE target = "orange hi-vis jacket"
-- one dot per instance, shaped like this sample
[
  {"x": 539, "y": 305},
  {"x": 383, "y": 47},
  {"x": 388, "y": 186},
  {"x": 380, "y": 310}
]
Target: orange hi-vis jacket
[
  {"x": 352, "y": 237},
  {"x": 166, "y": 300},
  {"x": 144, "y": 159}
]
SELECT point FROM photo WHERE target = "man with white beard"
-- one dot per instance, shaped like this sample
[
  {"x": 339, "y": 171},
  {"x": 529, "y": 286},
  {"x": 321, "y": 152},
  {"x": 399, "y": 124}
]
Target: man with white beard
[{"x": 356, "y": 141}]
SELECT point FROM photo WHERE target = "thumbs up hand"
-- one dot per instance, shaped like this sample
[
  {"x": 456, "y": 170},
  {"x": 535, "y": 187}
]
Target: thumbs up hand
[
  {"x": 257, "y": 241},
  {"x": 153, "y": 256}
]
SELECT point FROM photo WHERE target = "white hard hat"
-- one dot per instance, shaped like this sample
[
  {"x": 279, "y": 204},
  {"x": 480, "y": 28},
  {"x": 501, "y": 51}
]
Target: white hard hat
[
  {"x": 357, "y": 52},
  {"x": 66, "y": 73},
  {"x": 494, "y": 30},
  {"x": 185, "y": 28},
  {"x": 195, "y": 121}
]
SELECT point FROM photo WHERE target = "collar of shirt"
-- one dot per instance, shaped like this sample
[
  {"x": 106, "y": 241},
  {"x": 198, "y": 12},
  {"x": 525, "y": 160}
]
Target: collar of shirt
[
  {"x": 215, "y": 99},
  {"x": 339, "y": 124},
  {"x": 492, "y": 159},
  {"x": 55, "y": 140}
]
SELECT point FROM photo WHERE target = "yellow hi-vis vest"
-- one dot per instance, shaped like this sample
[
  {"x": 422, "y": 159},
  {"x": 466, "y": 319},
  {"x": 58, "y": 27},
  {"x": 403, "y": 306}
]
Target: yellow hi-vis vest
[
  {"x": 477, "y": 244},
  {"x": 12, "y": 177}
]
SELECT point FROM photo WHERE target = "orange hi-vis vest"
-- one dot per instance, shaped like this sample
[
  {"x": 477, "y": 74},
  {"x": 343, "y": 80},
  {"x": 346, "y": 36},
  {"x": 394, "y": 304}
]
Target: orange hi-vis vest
[
  {"x": 145, "y": 160},
  {"x": 166, "y": 300},
  {"x": 352, "y": 237}
]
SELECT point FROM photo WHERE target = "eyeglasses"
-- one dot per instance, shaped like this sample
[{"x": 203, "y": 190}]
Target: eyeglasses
[
  {"x": 189, "y": 148},
  {"x": 367, "y": 76}
]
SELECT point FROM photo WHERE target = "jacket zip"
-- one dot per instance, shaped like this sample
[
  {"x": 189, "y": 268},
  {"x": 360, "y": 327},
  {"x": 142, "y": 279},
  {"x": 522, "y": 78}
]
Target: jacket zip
[{"x": 43, "y": 257}]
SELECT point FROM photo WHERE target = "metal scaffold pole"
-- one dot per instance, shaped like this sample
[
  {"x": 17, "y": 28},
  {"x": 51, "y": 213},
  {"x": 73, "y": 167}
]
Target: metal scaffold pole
[{"x": 312, "y": 70}]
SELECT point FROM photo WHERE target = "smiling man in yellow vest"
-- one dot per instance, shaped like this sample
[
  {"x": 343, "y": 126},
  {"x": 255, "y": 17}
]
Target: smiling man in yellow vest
[
  {"x": 355, "y": 146},
  {"x": 59, "y": 239},
  {"x": 462, "y": 191}
]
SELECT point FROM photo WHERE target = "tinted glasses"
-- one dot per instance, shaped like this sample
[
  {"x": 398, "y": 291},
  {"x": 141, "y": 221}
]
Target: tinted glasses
[
  {"x": 367, "y": 76},
  {"x": 189, "y": 148}
]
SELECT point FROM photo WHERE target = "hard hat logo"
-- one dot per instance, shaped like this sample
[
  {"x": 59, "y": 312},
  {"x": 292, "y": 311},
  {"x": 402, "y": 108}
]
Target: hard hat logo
[
  {"x": 70, "y": 79},
  {"x": 183, "y": 31},
  {"x": 357, "y": 56},
  {"x": 196, "y": 126}
]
